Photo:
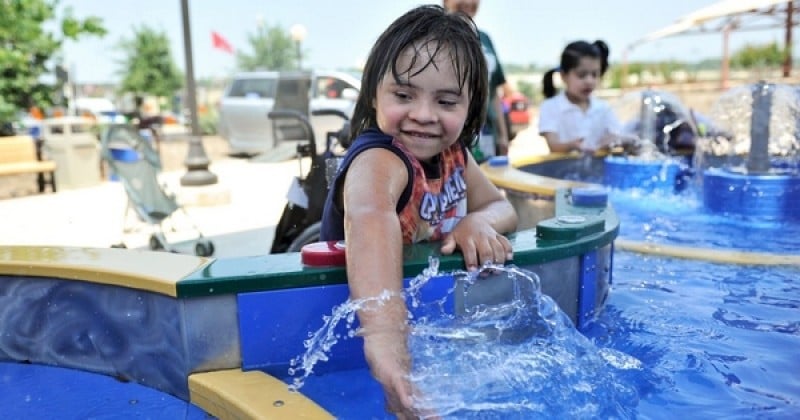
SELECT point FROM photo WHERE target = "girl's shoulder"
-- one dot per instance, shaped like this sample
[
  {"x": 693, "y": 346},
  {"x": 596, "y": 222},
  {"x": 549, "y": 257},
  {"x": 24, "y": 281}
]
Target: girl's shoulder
[{"x": 554, "y": 103}]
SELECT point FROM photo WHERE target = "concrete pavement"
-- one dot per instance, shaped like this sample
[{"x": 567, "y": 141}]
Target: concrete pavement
[{"x": 93, "y": 216}]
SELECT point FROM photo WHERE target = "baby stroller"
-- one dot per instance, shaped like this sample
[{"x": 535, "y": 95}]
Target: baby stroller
[
  {"x": 300, "y": 221},
  {"x": 133, "y": 160}
]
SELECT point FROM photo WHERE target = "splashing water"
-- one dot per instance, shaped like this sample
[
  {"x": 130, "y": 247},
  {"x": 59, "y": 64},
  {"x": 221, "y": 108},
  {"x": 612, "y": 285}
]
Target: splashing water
[
  {"x": 505, "y": 351},
  {"x": 319, "y": 344}
]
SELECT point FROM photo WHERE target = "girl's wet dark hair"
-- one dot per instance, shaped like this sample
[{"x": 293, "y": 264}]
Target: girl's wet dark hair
[
  {"x": 570, "y": 59},
  {"x": 427, "y": 28}
]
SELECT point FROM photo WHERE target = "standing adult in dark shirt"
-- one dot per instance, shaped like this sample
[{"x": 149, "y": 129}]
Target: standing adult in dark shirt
[{"x": 495, "y": 130}]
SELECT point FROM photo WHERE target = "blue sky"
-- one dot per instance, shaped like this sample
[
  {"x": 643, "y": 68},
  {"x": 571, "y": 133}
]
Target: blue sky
[{"x": 340, "y": 33}]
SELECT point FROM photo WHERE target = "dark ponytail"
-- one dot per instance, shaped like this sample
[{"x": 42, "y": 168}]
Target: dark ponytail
[
  {"x": 602, "y": 47},
  {"x": 548, "y": 87}
]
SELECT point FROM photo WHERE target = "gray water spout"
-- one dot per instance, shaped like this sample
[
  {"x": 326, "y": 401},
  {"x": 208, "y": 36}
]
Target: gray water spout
[
  {"x": 758, "y": 159},
  {"x": 647, "y": 117}
]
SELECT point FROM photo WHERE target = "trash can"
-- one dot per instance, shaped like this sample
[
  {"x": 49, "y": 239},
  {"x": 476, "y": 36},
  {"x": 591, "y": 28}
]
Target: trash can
[{"x": 70, "y": 142}]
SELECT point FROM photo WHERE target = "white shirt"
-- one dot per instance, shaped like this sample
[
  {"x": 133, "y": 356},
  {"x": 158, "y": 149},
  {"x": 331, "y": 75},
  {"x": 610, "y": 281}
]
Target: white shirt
[{"x": 560, "y": 116}]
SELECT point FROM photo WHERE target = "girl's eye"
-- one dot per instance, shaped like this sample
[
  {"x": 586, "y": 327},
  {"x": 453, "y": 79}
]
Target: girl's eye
[
  {"x": 447, "y": 103},
  {"x": 402, "y": 95}
]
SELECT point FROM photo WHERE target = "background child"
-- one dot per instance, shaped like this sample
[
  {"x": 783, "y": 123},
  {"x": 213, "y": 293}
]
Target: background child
[
  {"x": 408, "y": 177},
  {"x": 574, "y": 119}
]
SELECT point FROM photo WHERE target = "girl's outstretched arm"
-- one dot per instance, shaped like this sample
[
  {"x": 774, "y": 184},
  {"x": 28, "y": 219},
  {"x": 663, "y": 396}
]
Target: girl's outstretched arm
[
  {"x": 489, "y": 215},
  {"x": 374, "y": 242},
  {"x": 556, "y": 146}
]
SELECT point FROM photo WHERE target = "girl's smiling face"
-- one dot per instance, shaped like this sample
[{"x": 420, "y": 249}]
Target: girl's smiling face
[
  {"x": 425, "y": 109},
  {"x": 582, "y": 80}
]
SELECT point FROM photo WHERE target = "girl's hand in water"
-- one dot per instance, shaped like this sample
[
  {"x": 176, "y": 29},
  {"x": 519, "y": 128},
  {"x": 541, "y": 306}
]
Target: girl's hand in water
[
  {"x": 388, "y": 359},
  {"x": 478, "y": 241}
]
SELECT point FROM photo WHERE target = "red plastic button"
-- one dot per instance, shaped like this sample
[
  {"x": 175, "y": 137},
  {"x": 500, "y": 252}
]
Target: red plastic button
[{"x": 323, "y": 254}]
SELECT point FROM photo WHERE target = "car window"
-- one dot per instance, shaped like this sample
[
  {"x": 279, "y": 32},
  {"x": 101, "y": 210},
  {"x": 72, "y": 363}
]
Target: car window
[
  {"x": 331, "y": 87},
  {"x": 254, "y": 87},
  {"x": 293, "y": 94}
]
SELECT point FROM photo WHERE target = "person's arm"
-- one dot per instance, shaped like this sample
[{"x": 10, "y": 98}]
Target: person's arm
[
  {"x": 502, "y": 129},
  {"x": 372, "y": 188},
  {"x": 614, "y": 134},
  {"x": 489, "y": 214},
  {"x": 557, "y": 146},
  {"x": 500, "y": 123},
  {"x": 507, "y": 89}
]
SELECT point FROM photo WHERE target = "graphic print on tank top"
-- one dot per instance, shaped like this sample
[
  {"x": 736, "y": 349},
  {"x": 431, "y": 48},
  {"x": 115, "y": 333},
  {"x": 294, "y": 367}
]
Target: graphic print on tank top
[{"x": 438, "y": 201}]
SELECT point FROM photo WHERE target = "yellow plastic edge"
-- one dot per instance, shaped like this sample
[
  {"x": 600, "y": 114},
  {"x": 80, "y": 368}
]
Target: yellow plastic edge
[
  {"x": 157, "y": 272},
  {"x": 235, "y": 394},
  {"x": 705, "y": 254},
  {"x": 514, "y": 179}
]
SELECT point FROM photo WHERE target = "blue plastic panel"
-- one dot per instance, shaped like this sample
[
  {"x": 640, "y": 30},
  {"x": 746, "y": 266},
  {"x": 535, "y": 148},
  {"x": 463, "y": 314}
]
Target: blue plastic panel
[
  {"x": 32, "y": 391},
  {"x": 273, "y": 325},
  {"x": 768, "y": 196},
  {"x": 625, "y": 173},
  {"x": 589, "y": 197}
]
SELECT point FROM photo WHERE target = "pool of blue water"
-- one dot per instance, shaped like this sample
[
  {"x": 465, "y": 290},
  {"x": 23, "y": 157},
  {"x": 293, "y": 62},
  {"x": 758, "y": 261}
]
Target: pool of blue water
[
  {"x": 714, "y": 340},
  {"x": 667, "y": 218},
  {"x": 719, "y": 341}
]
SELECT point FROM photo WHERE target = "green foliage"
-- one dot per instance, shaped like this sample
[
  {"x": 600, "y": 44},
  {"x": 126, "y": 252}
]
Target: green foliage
[
  {"x": 527, "y": 89},
  {"x": 208, "y": 123},
  {"x": 754, "y": 56},
  {"x": 667, "y": 69},
  {"x": 273, "y": 49},
  {"x": 148, "y": 66},
  {"x": 28, "y": 51},
  {"x": 614, "y": 74}
]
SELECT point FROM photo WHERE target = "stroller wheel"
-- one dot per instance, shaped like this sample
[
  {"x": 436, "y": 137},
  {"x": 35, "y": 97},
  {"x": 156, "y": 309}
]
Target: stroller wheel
[
  {"x": 309, "y": 235},
  {"x": 204, "y": 248},
  {"x": 155, "y": 244}
]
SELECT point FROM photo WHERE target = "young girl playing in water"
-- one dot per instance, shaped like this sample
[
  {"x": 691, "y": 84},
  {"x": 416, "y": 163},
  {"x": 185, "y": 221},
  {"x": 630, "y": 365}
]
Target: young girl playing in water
[
  {"x": 574, "y": 119},
  {"x": 408, "y": 177}
]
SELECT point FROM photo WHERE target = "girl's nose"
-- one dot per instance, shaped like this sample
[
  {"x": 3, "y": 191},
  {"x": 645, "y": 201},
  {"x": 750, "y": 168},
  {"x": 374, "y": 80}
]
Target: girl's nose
[{"x": 423, "y": 112}]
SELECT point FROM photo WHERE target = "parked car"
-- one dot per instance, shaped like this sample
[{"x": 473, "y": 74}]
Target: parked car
[
  {"x": 250, "y": 96},
  {"x": 517, "y": 114},
  {"x": 101, "y": 110}
]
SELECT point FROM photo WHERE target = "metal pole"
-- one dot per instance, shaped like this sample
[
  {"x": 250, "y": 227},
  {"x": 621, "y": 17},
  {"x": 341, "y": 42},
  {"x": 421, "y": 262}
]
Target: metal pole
[
  {"x": 724, "y": 72},
  {"x": 299, "y": 55},
  {"x": 787, "y": 60},
  {"x": 623, "y": 80},
  {"x": 196, "y": 159},
  {"x": 758, "y": 159}
]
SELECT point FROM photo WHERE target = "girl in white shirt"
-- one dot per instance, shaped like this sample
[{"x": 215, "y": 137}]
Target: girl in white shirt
[{"x": 573, "y": 119}]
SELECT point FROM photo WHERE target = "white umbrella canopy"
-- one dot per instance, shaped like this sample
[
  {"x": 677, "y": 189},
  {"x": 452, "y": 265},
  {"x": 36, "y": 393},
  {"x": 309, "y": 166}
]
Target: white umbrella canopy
[
  {"x": 725, "y": 16},
  {"x": 731, "y": 13}
]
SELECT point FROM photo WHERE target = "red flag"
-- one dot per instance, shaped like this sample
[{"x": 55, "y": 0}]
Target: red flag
[{"x": 217, "y": 41}]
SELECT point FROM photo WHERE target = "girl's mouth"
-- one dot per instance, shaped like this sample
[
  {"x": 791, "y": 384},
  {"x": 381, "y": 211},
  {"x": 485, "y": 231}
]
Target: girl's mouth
[{"x": 420, "y": 134}]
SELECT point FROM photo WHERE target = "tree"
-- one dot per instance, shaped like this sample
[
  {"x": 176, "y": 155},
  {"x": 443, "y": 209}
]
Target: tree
[
  {"x": 753, "y": 56},
  {"x": 28, "y": 51},
  {"x": 273, "y": 49},
  {"x": 148, "y": 66}
]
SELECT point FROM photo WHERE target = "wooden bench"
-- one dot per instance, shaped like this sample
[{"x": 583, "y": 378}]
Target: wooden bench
[{"x": 18, "y": 156}]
